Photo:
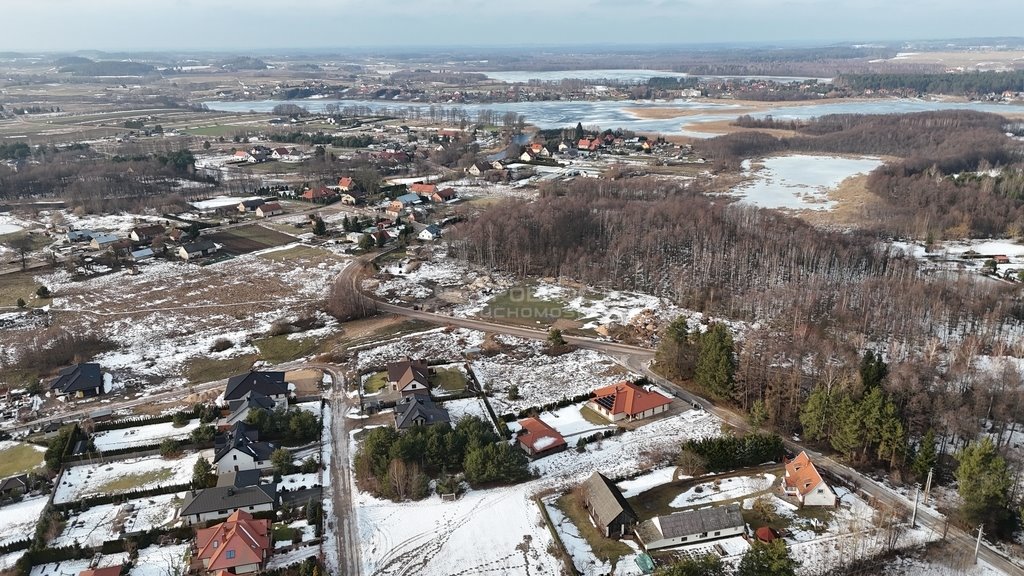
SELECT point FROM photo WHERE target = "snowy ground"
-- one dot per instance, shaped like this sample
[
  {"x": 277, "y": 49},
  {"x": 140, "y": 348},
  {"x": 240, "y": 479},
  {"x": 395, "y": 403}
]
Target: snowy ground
[
  {"x": 18, "y": 521},
  {"x": 569, "y": 422},
  {"x": 463, "y": 407},
  {"x": 150, "y": 435},
  {"x": 98, "y": 524},
  {"x": 582, "y": 554},
  {"x": 599, "y": 308},
  {"x": 724, "y": 489},
  {"x": 308, "y": 534},
  {"x": 300, "y": 481},
  {"x": 645, "y": 482},
  {"x": 86, "y": 480},
  {"x": 291, "y": 558},
  {"x": 73, "y": 567},
  {"x": 160, "y": 560},
  {"x": 436, "y": 344}
]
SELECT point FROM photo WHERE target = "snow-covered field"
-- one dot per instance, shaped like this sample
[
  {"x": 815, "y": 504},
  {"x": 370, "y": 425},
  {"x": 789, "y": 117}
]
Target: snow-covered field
[
  {"x": 569, "y": 422},
  {"x": 800, "y": 181},
  {"x": 160, "y": 560},
  {"x": 221, "y": 202},
  {"x": 724, "y": 489},
  {"x": 18, "y": 521},
  {"x": 597, "y": 309},
  {"x": 149, "y": 435},
  {"x": 98, "y": 524},
  {"x": 645, "y": 482},
  {"x": 150, "y": 472},
  {"x": 73, "y": 567},
  {"x": 436, "y": 344},
  {"x": 300, "y": 481},
  {"x": 463, "y": 407}
]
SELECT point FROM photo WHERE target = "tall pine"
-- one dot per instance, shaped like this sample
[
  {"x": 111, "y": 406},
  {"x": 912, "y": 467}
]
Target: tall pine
[{"x": 715, "y": 363}]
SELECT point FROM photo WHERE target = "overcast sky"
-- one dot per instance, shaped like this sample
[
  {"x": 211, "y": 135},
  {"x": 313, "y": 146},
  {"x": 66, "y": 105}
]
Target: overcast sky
[{"x": 248, "y": 25}]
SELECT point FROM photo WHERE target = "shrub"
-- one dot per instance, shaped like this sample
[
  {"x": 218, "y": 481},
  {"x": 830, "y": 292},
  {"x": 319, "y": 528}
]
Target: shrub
[
  {"x": 221, "y": 344},
  {"x": 43, "y": 292}
]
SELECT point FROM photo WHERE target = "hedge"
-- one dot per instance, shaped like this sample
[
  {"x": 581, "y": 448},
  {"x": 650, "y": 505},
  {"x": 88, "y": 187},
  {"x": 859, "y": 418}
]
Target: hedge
[
  {"x": 15, "y": 546},
  {"x": 141, "y": 421},
  {"x": 525, "y": 412},
  {"x": 146, "y": 539},
  {"x": 50, "y": 555}
]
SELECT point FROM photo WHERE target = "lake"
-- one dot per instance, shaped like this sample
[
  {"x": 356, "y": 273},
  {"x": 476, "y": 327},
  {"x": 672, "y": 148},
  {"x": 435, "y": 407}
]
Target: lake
[
  {"x": 799, "y": 181},
  {"x": 617, "y": 114}
]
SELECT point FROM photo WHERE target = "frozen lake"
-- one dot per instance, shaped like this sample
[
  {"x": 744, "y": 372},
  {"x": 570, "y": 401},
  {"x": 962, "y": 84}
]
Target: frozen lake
[
  {"x": 623, "y": 76},
  {"x": 10, "y": 228},
  {"x": 800, "y": 181},
  {"x": 617, "y": 114}
]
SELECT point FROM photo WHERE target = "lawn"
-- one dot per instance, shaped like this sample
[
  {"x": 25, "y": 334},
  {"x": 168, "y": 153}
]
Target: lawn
[
  {"x": 604, "y": 548},
  {"x": 131, "y": 481},
  {"x": 20, "y": 285},
  {"x": 304, "y": 252},
  {"x": 518, "y": 306},
  {"x": 202, "y": 370},
  {"x": 18, "y": 459},
  {"x": 593, "y": 417},
  {"x": 376, "y": 382},
  {"x": 280, "y": 349},
  {"x": 449, "y": 379}
]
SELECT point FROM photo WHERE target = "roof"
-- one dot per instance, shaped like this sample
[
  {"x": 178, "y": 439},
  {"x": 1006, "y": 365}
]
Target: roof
[
  {"x": 245, "y": 440},
  {"x": 539, "y": 436},
  {"x": 398, "y": 369},
  {"x": 408, "y": 198},
  {"x": 252, "y": 399},
  {"x": 200, "y": 246},
  {"x": 144, "y": 253},
  {"x": 413, "y": 407},
  {"x": 266, "y": 383},
  {"x": 248, "y": 539},
  {"x": 105, "y": 238},
  {"x": 446, "y": 194},
  {"x": 271, "y": 207},
  {"x": 345, "y": 182},
  {"x": 108, "y": 571},
  {"x": 690, "y": 522},
  {"x": 150, "y": 230},
  {"x": 251, "y": 203},
  {"x": 227, "y": 498},
  {"x": 13, "y": 482},
  {"x": 628, "y": 398},
  {"x": 315, "y": 193},
  {"x": 77, "y": 378},
  {"x": 604, "y": 500},
  {"x": 420, "y": 188},
  {"x": 801, "y": 474},
  {"x": 239, "y": 478}
]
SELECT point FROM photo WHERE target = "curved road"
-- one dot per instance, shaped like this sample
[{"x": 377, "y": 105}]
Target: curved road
[{"x": 638, "y": 360}]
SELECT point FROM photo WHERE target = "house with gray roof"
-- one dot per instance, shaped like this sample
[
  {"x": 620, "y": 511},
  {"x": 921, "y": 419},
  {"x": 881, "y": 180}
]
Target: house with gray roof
[
  {"x": 419, "y": 410},
  {"x": 197, "y": 250},
  {"x": 14, "y": 486},
  {"x": 253, "y": 400},
  {"x": 79, "y": 381},
  {"x": 612, "y": 515},
  {"x": 241, "y": 449},
  {"x": 691, "y": 526},
  {"x": 221, "y": 501},
  {"x": 101, "y": 241},
  {"x": 269, "y": 384}
]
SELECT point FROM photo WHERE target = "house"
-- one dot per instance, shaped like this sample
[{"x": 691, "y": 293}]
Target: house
[
  {"x": 80, "y": 381},
  {"x": 627, "y": 401},
  {"x": 279, "y": 153},
  {"x": 407, "y": 200},
  {"x": 243, "y": 156},
  {"x": 478, "y": 169},
  {"x": 101, "y": 241},
  {"x": 80, "y": 235},
  {"x": 270, "y": 384},
  {"x": 443, "y": 195},
  {"x": 589, "y": 145},
  {"x": 803, "y": 482},
  {"x": 425, "y": 190},
  {"x": 176, "y": 234},
  {"x": 239, "y": 545},
  {"x": 419, "y": 410},
  {"x": 321, "y": 194},
  {"x": 249, "y": 205},
  {"x": 240, "y": 449},
  {"x": 431, "y": 232},
  {"x": 239, "y": 409},
  {"x": 409, "y": 376},
  {"x": 346, "y": 184},
  {"x": 197, "y": 250},
  {"x": 14, "y": 486},
  {"x": 108, "y": 571},
  {"x": 527, "y": 156},
  {"x": 691, "y": 526},
  {"x": 146, "y": 234},
  {"x": 223, "y": 501},
  {"x": 1001, "y": 259},
  {"x": 608, "y": 509},
  {"x": 538, "y": 439},
  {"x": 352, "y": 197},
  {"x": 539, "y": 150},
  {"x": 144, "y": 254},
  {"x": 269, "y": 209}
]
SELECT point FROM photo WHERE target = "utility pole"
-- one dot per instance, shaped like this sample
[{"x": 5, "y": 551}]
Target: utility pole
[
  {"x": 977, "y": 545},
  {"x": 928, "y": 485},
  {"x": 913, "y": 517}
]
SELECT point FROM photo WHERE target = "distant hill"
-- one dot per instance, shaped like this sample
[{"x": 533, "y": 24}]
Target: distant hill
[
  {"x": 85, "y": 67},
  {"x": 243, "y": 63},
  {"x": 71, "y": 61}
]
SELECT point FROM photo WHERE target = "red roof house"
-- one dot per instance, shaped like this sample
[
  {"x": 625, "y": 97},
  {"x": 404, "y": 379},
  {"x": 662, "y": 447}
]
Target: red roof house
[
  {"x": 108, "y": 571},
  {"x": 627, "y": 401},
  {"x": 345, "y": 184},
  {"x": 239, "y": 544},
  {"x": 538, "y": 439},
  {"x": 321, "y": 193},
  {"x": 803, "y": 482},
  {"x": 427, "y": 190}
]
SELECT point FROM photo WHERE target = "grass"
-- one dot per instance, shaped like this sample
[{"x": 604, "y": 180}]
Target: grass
[
  {"x": 221, "y": 130},
  {"x": 593, "y": 417},
  {"x": 450, "y": 379},
  {"x": 209, "y": 369},
  {"x": 604, "y": 548},
  {"x": 19, "y": 459},
  {"x": 376, "y": 382},
  {"x": 280, "y": 349},
  {"x": 20, "y": 285},
  {"x": 304, "y": 252},
  {"x": 283, "y": 533},
  {"x": 518, "y": 306},
  {"x": 132, "y": 481}
]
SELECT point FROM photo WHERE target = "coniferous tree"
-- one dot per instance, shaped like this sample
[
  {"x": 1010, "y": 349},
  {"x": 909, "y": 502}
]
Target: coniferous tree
[
  {"x": 715, "y": 363},
  {"x": 849, "y": 434},
  {"x": 926, "y": 456},
  {"x": 983, "y": 480},
  {"x": 767, "y": 559},
  {"x": 816, "y": 415}
]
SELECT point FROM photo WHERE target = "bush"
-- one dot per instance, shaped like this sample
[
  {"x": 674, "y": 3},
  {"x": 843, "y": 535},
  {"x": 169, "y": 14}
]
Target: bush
[
  {"x": 180, "y": 419},
  {"x": 21, "y": 302},
  {"x": 204, "y": 434},
  {"x": 43, "y": 292},
  {"x": 169, "y": 448},
  {"x": 221, "y": 344}
]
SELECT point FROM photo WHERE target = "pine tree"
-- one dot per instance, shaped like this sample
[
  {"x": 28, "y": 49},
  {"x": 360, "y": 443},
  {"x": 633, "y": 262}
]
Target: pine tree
[
  {"x": 926, "y": 456},
  {"x": 764, "y": 559},
  {"x": 706, "y": 565},
  {"x": 202, "y": 474},
  {"x": 983, "y": 480},
  {"x": 758, "y": 413},
  {"x": 872, "y": 370},
  {"x": 892, "y": 444},
  {"x": 848, "y": 435},
  {"x": 816, "y": 416},
  {"x": 715, "y": 364},
  {"x": 869, "y": 409}
]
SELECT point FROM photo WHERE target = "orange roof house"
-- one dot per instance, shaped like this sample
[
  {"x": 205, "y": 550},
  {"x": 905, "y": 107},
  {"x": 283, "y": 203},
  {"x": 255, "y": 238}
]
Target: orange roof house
[
  {"x": 239, "y": 544},
  {"x": 803, "y": 482},
  {"x": 627, "y": 401},
  {"x": 108, "y": 571},
  {"x": 423, "y": 189},
  {"x": 538, "y": 439},
  {"x": 345, "y": 184}
]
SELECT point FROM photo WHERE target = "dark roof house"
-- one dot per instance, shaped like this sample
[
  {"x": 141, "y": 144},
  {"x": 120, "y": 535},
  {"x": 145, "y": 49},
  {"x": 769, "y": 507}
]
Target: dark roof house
[
  {"x": 691, "y": 526},
  {"x": 227, "y": 498},
  {"x": 14, "y": 485},
  {"x": 612, "y": 515},
  {"x": 271, "y": 384},
  {"x": 79, "y": 380},
  {"x": 419, "y": 410}
]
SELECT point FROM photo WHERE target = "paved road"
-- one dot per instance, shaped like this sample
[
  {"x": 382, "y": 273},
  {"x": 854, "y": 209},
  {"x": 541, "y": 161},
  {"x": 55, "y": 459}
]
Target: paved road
[{"x": 638, "y": 360}]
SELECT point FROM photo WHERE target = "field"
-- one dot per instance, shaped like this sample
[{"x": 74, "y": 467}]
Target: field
[
  {"x": 87, "y": 480},
  {"x": 18, "y": 520},
  {"x": 106, "y": 522},
  {"x": 150, "y": 435},
  {"x": 449, "y": 379},
  {"x": 20, "y": 285},
  {"x": 246, "y": 239},
  {"x": 279, "y": 349},
  {"x": 18, "y": 458},
  {"x": 521, "y": 306}
]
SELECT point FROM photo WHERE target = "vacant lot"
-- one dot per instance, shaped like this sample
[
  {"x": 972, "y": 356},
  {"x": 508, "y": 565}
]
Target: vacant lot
[
  {"x": 246, "y": 239},
  {"x": 17, "y": 458}
]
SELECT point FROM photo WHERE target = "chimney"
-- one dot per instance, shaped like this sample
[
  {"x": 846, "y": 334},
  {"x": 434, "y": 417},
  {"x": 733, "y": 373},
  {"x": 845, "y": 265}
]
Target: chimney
[{"x": 231, "y": 490}]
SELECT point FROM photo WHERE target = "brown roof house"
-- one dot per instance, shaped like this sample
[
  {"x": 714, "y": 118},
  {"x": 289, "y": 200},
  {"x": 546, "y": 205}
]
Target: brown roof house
[
  {"x": 538, "y": 439},
  {"x": 803, "y": 482},
  {"x": 239, "y": 545},
  {"x": 627, "y": 401},
  {"x": 409, "y": 377},
  {"x": 612, "y": 515}
]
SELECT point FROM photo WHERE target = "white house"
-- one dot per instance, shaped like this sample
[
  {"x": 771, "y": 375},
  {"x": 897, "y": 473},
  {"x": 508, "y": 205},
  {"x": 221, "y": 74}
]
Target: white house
[
  {"x": 269, "y": 209},
  {"x": 240, "y": 449},
  {"x": 691, "y": 526},
  {"x": 803, "y": 482},
  {"x": 627, "y": 401},
  {"x": 429, "y": 233}
]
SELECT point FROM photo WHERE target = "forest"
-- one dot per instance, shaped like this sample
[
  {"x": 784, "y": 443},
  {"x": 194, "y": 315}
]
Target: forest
[
  {"x": 964, "y": 84},
  {"x": 941, "y": 187}
]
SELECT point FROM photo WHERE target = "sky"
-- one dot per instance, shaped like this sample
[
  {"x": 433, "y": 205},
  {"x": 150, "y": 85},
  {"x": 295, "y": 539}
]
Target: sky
[{"x": 251, "y": 25}]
